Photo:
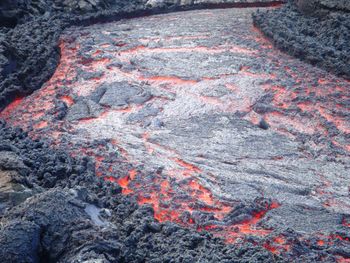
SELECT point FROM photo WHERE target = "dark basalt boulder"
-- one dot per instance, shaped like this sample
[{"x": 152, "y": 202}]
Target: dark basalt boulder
[{"x": 54, "y": 227}]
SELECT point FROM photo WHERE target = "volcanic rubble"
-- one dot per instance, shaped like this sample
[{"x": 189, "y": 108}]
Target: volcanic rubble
[
  {"x": 183, "y": 137},
  {"x": 317, "y": 31}
]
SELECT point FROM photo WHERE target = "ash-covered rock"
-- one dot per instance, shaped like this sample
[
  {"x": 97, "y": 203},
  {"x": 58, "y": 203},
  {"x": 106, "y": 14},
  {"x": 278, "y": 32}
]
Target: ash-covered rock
[{"x": 316, "y": 31}]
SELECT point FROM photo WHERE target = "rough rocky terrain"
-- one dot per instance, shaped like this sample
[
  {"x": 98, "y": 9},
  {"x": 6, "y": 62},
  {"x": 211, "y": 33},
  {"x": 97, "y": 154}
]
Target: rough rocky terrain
[
  {"x": 183, "y": 137},
  {"x": 204, "y": 122},
  {"x": 55, "y": 209},
  {"x": 316, "y": 31},
  {"x": 27, "y": 62}
]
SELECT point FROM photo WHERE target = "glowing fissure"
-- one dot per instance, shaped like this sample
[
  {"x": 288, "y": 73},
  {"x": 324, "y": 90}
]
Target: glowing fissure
[{"x": 80, "y": 109}]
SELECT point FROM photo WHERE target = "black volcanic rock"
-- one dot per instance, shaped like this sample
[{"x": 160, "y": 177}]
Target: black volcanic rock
[
  {"x": 316, "y": 31},
  {"x": 29, "y": 52},
  {"x": 79, "y": 217},
  {"x": 30, "y": 32},
  {"x": 18, "y": 8},
  {"x": 76, "y": 216},
  {"x": 53, "y": 225},
  {"x": 322, "y": 8},
  {"x": 20, "y": 241}
]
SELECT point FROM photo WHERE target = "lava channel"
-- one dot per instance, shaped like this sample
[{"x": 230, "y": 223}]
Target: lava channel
[{"x": 205, "y": 121}]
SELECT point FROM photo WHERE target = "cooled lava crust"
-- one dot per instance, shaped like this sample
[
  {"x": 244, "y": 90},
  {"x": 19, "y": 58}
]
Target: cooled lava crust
[
  {"x": 30, "y": 30},
  {"x": 198, "y": 116}
]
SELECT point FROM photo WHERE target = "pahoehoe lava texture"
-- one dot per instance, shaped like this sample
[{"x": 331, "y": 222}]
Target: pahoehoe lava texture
[
  {"x": 167, "y": 138},
  {"x": 198, "y": 117},
  {"x": 30, "y": 31},
  {"x": 316, "y": 31},
  {"x": 75, "y": 216}
]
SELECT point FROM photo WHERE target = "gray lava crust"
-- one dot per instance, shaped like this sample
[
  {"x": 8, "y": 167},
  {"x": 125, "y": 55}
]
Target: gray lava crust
[
  {"x": 232, "y": 159},
  {"x": 71, "y": 215}
]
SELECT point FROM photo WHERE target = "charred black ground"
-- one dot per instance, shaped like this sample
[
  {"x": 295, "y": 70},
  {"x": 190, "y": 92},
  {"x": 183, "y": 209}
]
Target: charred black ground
[{"x": 103, "y": 224}]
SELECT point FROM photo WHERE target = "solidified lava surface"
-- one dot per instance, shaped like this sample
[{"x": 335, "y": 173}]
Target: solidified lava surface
[{"x": 196, "y": 114}]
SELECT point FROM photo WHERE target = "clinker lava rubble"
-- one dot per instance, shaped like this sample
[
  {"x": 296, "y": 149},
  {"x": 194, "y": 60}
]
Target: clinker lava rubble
[{"x": 198, "y": 116}]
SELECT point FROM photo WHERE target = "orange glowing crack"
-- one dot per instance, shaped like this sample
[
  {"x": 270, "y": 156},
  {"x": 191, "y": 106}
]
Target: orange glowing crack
[
  {"x": 68, "y": 100},
  {"x": 95, "y": 64},
  {"x": 279, "y": 244},
  {"x": 341, "y": 124},
  {"x": 211, "y": 100},
  {"x": 188, "y": 166},
  {"x": 201, "y": 193},
  {"x": 41, "y": 125},
  {"x": 124, "y": 182},
  {"x": 283, "y": 100},
  {"x": 300, "y": 124},
  {"x": 248, "y": 227},
  {"x": 147, "y": 145},
  {"x": 162, "y": 191},
  {"x": 345, "y": 146},
  {"x": 97, "y": 52},
  {"x": 341, "y": 259},
  {"x": 346, "y": 222},
  {"x": 11, "y": 107},
  {"x": 64, "y": 70},
  {"x": 169, "y": 79},
  {"x": 245, "y": 71}
]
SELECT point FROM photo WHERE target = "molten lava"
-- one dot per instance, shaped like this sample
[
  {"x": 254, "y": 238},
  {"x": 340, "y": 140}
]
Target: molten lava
[{"x": 165, "y": 115}]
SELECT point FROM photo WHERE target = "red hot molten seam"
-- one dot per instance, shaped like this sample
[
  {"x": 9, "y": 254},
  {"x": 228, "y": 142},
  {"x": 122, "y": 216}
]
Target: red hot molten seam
[{"x": 171, "y": 114}]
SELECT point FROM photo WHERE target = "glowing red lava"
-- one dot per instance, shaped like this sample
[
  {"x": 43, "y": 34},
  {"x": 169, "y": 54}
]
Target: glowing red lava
[
  {"x": 6, "y": 113},
  {"x": 193, "y": 75}
]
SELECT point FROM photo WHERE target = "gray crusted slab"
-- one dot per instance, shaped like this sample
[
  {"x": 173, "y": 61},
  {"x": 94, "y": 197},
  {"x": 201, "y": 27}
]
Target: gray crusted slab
[{"x": 122, "y": 94}]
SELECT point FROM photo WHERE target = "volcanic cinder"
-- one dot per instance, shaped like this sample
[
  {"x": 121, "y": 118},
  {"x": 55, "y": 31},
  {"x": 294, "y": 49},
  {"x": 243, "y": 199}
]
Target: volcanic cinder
[{"x": 198, "y": 115}]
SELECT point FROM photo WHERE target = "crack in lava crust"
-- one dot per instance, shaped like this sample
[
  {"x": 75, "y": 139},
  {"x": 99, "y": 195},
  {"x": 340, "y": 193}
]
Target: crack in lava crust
[{"x": 169, "y": 108}]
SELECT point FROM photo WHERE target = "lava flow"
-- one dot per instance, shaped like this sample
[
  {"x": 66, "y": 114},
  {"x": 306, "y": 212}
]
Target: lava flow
[{"x": 201, "y": 118}]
